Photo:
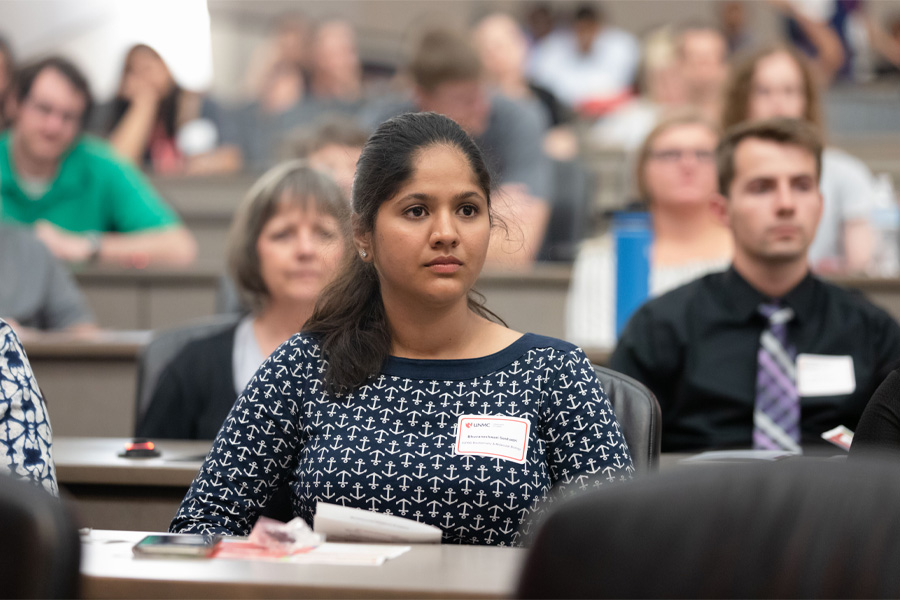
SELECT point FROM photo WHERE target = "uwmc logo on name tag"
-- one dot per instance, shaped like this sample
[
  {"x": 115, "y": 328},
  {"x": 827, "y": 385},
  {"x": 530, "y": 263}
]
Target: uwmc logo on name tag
[{"x": 497, "y": 436}]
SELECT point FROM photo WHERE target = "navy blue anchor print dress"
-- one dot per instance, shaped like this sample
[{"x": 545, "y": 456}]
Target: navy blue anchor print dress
[
  {"x": 396, "y": 445},
  {"x": 25, "y": 434}
]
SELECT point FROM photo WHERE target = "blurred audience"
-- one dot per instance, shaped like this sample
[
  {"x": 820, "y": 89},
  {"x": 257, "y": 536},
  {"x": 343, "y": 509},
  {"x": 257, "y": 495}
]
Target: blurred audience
[
  {"x": 447, "y": 77},
  {"x": 813, "y": 28},
  {"x": 257, "y": 130},
  {"x": 660, "y": 89},
  {"x": 86, "y": 204},
  {"x": 286, "y": 241},
  {"x": 287, "y": 45},
  {"x": 38, "y": 292},
  {"x": 590, "y": 67},
  {"x": 335, "y": 70},
  {"x": 778, "y": 81},
  {"x": 703, "y": 64},
  {"x": 26, "y": 438},
  {"x": 331, "y": 145},
  {"x": 503, "y": 49},
  {"x": 734, "y": 25},
  {"x": 7, "y": 84},
  {"x": 155, "y": 123},
  {"x": 676, "y": 180}
]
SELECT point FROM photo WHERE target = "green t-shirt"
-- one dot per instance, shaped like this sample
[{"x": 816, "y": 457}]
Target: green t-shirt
[{"x": 94, "y": 190}]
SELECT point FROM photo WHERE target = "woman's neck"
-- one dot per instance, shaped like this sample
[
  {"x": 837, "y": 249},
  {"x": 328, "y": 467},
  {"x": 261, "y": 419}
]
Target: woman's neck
[
  {"x": 277, "y": 322},
  {"x": 686, "y": 234},
  {"x": 434, "y": 333}
]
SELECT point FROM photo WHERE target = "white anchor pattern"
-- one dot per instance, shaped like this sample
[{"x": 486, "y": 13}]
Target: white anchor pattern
[
  {"x": 25, "y": 434},
  {"x": 389, "y": 445}
]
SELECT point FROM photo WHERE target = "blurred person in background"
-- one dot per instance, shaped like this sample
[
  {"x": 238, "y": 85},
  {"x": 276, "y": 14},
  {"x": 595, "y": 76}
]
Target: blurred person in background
[
  {"x": 702, "y": 54},
  {"x": 816, "y": 30},
  {"x": 335, "y": 82},
  {"x": 590, "y": 67},
  {"x": 503, "y": 48},
  {"x": 660, "y": 89},
  {"x": 286, "y": 241},
  {"x": 447, "y": 77},
  {"x": 38, "y": 292},
  {"x": 257, "y": 130},
  {"x": 26, "y": 438},
  {"x": 155, "y": 123},
  {"x": 676, "y": 181},
  {"x": 287, "y": 44},
  {"x": 681, "y": 67},
  {"x": 776, "y": 81},
  {"x": 85, "y": 203},
  {"x": 7, "y": 84},
  {"x": 331, "y": 145},
  {"x": 733, "y": 23}
]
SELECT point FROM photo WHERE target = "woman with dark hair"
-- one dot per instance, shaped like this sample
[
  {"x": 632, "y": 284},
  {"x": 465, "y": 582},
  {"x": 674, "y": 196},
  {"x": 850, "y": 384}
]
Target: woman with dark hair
[
  {"x": 155, "y": 122},
  {"x": 402, "y": 394},
  {"x": 777, "y": 81},
  {"x": 285, "y": 244}
]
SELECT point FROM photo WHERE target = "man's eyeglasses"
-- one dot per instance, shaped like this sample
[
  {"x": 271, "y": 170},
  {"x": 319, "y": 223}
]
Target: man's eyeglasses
[
  {"x": 677, "y": 154},
  {"x": 47, "y": 110}
]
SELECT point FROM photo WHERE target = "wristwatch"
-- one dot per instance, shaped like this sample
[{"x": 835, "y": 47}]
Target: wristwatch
[{"x": 94, "y": 244}]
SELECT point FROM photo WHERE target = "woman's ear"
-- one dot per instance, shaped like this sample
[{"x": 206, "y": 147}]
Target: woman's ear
[{"x": 362, "y": 240}]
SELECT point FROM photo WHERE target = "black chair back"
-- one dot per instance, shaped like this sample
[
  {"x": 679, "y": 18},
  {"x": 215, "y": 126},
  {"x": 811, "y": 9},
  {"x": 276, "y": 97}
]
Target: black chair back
[
  {"x": 40, "y": 551},
  {"x": 639, "y": 416},
  {"x": 164, "y": 347},
  {"x": 799, "y": 528}
]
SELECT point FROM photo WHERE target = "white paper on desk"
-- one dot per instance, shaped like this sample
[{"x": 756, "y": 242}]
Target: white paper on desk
[
  {"x": 355, "y": 525},
  {"x": 349, "y": 554},
  {"x": 739, "y": 455}
]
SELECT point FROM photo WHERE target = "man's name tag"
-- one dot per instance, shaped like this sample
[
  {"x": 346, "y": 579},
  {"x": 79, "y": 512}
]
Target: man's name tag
[
  {"x": 822, "y": 375},
  {"x": 497, "y": 436}
]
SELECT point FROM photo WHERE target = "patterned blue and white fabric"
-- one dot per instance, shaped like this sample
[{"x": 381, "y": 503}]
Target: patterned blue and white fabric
[
  {"x": 25, "y": 434},
  {"x": 389, "y": 446}
]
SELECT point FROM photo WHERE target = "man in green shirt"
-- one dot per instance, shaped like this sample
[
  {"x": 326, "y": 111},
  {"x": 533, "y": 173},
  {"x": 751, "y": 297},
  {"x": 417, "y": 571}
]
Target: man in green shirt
[{"x": 85, "y": 202}]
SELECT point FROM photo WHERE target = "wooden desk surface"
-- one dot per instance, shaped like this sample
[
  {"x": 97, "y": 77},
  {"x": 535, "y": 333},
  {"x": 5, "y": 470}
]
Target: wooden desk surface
[
  {"x": 109, "y": 570},
  {"x": 105, "y": 344},
  {"x": 85, "y": 460}
]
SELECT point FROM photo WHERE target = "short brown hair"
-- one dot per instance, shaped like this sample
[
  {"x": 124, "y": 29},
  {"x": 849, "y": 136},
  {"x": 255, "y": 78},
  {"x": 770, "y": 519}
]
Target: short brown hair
[
  {"x": 789, "y": 132},
  {"x": 740, "y": 86},
  {"x": 443, "y": 56},
  {"x": 675, "y": 119},
  {"x": 293, "y": 182},
  {"x": 330, "y": 129}
]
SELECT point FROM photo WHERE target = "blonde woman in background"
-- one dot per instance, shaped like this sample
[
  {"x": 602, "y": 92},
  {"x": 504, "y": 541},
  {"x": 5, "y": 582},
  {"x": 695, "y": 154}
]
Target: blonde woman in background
[{"x": 676, "y": 179}]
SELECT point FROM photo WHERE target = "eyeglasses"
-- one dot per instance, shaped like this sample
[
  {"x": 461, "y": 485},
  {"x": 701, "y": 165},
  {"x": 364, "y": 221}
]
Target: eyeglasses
[
  {"x": 677, "y": 154},
  {"x": 47, "y": 110}
]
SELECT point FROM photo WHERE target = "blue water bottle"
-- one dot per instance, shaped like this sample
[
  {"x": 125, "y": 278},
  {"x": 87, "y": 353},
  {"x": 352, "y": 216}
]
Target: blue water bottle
[{"x": 632, "y": 237}]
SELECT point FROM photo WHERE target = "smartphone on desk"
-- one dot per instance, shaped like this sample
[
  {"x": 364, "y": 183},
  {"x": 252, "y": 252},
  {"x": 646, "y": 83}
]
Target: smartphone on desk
[{"x": 173, "y": 544}]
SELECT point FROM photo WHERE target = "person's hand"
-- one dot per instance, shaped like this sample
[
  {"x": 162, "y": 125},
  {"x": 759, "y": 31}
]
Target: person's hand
[
  {"x": 63, "y": 244},
  {"x": 138, "y": 89}
]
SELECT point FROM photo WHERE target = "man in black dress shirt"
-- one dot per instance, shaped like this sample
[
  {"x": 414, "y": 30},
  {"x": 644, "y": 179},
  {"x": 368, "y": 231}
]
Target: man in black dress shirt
[{"x": 696, "y": 347}]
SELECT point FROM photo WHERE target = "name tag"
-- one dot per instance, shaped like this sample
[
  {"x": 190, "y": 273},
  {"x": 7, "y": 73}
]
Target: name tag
[
  {"x": 822, "y": 375},
  {"x": 495, "y": 436}
]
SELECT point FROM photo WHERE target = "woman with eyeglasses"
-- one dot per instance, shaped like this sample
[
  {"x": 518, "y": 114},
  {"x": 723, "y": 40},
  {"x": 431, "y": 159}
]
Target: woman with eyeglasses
[{"x": 676, "y": 178}]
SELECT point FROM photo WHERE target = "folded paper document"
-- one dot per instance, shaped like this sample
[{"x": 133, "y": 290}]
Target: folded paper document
[{"x": 340, "y": 523}]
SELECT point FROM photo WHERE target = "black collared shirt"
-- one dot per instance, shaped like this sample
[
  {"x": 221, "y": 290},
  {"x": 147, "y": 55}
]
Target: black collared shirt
[{"x": 696, "y": 348}]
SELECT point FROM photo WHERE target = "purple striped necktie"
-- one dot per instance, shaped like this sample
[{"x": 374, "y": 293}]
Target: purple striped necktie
[{"x": 776, "y": 416}]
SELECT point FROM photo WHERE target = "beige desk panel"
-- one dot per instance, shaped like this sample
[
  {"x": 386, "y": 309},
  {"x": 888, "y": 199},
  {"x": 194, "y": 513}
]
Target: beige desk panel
[
  {"x": 89, "y": 384},
  {"x": 426, "y": 571},
  {"x": 111, "y": 492}
]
